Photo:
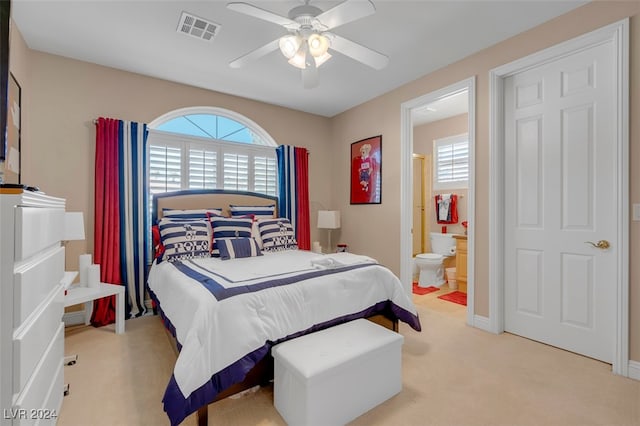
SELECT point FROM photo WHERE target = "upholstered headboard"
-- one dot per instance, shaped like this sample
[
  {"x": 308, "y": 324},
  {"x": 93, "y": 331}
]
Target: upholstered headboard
[{"x": 208, "y": 199}]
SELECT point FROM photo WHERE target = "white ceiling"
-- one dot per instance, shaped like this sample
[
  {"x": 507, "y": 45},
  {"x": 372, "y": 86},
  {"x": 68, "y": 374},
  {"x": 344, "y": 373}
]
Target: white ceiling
[
  {"x": 448, "y": 106},
  {"x": 140, "y": 36}
]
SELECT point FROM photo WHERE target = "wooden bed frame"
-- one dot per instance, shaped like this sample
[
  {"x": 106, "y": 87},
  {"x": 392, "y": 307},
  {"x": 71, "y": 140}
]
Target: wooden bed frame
[{"x": 262, "y": 373}]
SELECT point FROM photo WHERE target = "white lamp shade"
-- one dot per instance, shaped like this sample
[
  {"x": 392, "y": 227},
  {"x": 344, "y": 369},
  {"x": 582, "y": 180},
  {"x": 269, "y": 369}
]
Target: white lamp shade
[
  {"x": 318, "y": 44},
  {"x": 328, "y": 219},
  {"x": 73, "y": 226},
  {"x": 289, "y": 45}
]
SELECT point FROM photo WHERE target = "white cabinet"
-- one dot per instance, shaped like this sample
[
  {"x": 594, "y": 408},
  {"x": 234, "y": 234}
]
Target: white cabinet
[{"x": 31, "y": 307}]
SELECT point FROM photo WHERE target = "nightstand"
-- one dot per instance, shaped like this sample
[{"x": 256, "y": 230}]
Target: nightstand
[{"x": 79, "y": 294}]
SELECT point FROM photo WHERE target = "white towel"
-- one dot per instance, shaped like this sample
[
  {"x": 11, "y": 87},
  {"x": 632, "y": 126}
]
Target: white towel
[
  {"x": 337, "y": 260},
  {"x": 443, "y": 206}
]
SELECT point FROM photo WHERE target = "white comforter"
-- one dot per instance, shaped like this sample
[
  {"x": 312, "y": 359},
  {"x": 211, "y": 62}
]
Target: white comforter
[{"x": 215, "y": 333}]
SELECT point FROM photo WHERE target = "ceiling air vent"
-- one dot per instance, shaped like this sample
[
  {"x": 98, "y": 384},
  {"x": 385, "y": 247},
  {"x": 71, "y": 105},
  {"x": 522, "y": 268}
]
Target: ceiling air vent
[{"x": 197, "y": 27}]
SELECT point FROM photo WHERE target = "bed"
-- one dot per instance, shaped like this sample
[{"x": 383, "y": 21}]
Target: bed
[{"x": 226, "y": 315}]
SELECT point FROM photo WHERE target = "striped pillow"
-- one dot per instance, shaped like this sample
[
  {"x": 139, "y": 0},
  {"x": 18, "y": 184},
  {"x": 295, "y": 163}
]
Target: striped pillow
[
  {"x": 277, "y": 234},
  {"x": 190, "y": 214},
  {"x": 258, "y": 212},
  {"x": 184, "y": 238},
  {"x": 224, "y": 227},
  {"x": 236, "y": 248}
]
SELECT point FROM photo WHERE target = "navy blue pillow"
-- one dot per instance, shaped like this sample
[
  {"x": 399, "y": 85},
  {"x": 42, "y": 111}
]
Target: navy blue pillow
[
  {"x": 224, "y": 227},
  {"x": 258, "y": 212},
  {"x": 184, "y": 238},
  {"x": 277, "y": 234},
  {"x": 190, "y": 214},
  {"x": 236, "y": 248}
]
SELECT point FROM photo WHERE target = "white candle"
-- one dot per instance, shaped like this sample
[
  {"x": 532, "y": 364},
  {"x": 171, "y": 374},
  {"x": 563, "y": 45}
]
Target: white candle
[
  {"x": 94, "y": 275},
  {"x": 83, "y": 266}
]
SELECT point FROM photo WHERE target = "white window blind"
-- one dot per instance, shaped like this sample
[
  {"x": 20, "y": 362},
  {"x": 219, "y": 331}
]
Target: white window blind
[
  {"x": 187, "y": 162},
  {"x": 203, "y": 169},
  {"x": 236, "y": 172},
  {"x": 264, "y": 175},
  {"x": 165, "y": 168},
  {"x": 451, "y": 162}
]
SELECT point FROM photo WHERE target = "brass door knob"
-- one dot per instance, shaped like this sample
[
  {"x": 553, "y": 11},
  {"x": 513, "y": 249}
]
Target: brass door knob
[{"x": 602, "y": 244}]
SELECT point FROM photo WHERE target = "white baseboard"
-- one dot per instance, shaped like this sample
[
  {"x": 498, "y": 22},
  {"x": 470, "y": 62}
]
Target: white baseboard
[
  {"x": 482, "y": 323},
  {"x": 73, "y": 318},
  {"x": 634, "y": 370}
]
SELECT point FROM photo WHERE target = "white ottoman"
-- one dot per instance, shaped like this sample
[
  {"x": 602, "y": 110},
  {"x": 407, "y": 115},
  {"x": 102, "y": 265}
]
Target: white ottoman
[{"x": 332, "y": 376}]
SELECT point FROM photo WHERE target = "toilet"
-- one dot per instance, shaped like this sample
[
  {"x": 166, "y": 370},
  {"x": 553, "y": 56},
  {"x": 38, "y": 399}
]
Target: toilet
[{"x": 430, "y": 264}]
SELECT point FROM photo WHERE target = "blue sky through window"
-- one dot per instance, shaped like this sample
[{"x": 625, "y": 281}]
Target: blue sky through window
[{"x": 209, "y": 126}]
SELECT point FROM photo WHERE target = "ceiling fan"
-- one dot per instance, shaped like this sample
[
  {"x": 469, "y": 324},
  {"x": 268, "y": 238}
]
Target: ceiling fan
[{"x": 308, "y": 41}]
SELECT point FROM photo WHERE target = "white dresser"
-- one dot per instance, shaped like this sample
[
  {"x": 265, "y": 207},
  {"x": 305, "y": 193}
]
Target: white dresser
[{"x": 31, "y": 307}]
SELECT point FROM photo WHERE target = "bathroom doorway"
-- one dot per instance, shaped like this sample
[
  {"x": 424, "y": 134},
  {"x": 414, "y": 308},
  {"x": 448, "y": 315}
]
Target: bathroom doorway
[{"x": 446, "y": 113}]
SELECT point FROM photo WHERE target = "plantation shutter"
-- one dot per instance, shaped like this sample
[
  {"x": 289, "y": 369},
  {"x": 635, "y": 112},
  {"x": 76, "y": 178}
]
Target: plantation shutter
[
  {"x": 236, "y": 171},
  {"x": 264, "y": 175},
  {"x": 179, "y": 162},
  {"x": 451, "y": 162},
  {"x": 203, "y": 168},
  {"x": 165, "y": 168}
]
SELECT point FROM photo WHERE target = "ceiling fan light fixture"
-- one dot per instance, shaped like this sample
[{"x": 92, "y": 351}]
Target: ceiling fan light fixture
[
  {"x": 318, "y": 44},
  {"x": 289, "y": 45},
  {"x": 298, "y": 60}
]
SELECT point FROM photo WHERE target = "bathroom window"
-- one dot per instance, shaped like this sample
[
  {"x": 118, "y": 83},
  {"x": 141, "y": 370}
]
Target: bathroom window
[{"x": 451, "y": 162}]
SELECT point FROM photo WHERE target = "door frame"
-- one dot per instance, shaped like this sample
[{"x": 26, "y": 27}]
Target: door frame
[
  {"x": 406, "y": 184},
  {"x": 423, "y": 201},
  {"x": 618, "y": 34}
]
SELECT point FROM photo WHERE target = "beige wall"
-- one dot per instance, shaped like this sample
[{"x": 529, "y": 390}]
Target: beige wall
[
  {"x": 375, "y": 229},
  {"x": 61, "y": 97},
  {"x": 425, "y": 134},
  {"x": 423, "y": 137},
  {"x": 64, "y": 96}
]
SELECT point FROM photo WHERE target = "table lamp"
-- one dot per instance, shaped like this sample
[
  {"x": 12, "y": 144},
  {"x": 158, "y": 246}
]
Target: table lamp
[{"x": 329, "y": 219}]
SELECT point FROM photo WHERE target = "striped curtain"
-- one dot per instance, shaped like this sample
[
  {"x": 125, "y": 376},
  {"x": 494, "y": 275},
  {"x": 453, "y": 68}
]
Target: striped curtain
[
  {"x": 293, "y": 186},
  {"x": 121, "y": 203}
]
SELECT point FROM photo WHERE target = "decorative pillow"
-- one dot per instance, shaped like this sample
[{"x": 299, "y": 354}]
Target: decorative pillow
[
  {"x": 190, "y": 214},
  {"x": 235, "y": 248},
  {"x": 184, "y": 238},
  {"x": 277, "y": 234},
  {"x": 258, "y": 212},
  {"x": 224, "y": 227},
  {"x": 158, "y": 248},
  {"x": 255, "y": 233}
]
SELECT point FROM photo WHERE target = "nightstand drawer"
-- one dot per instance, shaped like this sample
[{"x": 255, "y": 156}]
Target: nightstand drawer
[
  {"x": 33, "y": 339},
  {"x": 34, "y": 281},
  {"x": 37, "y": 229}
]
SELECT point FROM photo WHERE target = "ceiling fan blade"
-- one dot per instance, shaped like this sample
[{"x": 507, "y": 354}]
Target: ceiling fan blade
[
  {"x": 255, "y": 54},
  {"x": 265, "y": 15},
  {"x": 359, "y": 52},
  {"x": 348, "y": 11}
]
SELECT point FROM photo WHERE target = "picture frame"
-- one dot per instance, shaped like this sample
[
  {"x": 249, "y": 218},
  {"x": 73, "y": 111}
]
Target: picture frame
[
  {"x": 14, "y": 123},
  {"x": 366, "y": 171},
  {"x": 5, "y": 13}
]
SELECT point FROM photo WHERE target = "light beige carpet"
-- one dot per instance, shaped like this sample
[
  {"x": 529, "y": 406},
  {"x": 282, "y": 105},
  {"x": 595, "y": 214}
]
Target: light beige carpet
[{"x": 452, "y": 374}]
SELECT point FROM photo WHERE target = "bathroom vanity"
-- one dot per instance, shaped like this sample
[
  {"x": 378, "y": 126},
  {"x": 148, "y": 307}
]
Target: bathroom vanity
[{"x": 461, "y": 262}]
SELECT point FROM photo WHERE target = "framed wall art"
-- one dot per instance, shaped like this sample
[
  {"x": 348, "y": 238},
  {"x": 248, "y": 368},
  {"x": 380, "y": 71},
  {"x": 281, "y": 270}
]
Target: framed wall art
[
  {"x": 14, "y": 121},
  {"x": 366, "y": 171}
]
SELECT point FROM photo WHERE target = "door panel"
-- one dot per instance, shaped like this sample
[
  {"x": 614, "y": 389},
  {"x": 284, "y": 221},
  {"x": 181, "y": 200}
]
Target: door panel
[{"x": 559, "y": 188}]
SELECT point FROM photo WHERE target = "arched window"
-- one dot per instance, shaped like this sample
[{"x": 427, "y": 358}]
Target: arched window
[{"x": 210, "y": 148}]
